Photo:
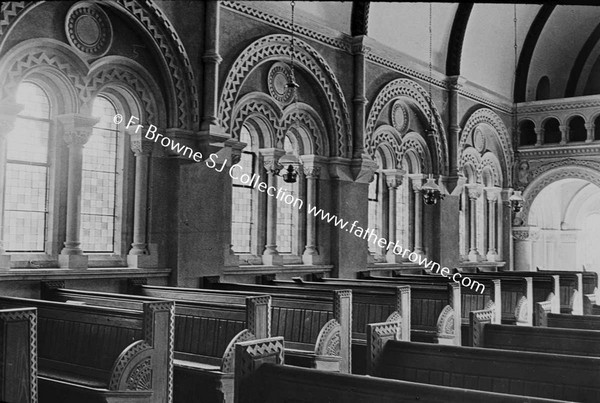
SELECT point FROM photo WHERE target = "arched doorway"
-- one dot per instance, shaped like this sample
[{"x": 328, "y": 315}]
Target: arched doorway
[{"x": 566, "y": 215}]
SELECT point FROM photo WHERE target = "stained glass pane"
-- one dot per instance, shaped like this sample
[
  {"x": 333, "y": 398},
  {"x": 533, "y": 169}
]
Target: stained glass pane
[
  {"x": 25, "y": 207},
  {"x": 241, "y": 228},
  {"x": 98, "y": 193},
  {"x": 27, "y": 173},
  {"x": 286, "y": 214},
  {"x": 34, "y": 100}
]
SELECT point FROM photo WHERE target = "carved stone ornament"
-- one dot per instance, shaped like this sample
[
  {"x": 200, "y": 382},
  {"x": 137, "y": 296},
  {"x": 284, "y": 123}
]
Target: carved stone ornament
[
  {"x": 399, "y": 117},
  {"x": 280, "y": 75},
  {"x": 479, "y": 139},
  {"x": 88, "y": 29}
]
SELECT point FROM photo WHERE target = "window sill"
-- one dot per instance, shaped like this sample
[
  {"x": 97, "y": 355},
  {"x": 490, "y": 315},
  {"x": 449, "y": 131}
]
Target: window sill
[{"x": 92, "y": 273}]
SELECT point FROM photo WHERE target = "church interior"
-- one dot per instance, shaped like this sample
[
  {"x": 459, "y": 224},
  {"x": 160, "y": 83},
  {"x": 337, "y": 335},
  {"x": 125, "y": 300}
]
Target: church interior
[{"x": 305, "y": 201}]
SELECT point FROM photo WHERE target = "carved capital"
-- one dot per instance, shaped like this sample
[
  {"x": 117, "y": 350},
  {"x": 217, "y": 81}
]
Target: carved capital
[
  {"x": 271, "y": 158},
  {"x": 141, "y": 147},
  {"x": 455, "y": 83},
  {"x": 474, "y": 191},
  {"x": 77, "y": 128},
  {"x": 363, "y": 169},
  {"x": 492, "y": 194},
  {"x": 314, "y": 166},
  {"x": 525, "y": 233},
  {"x": 393, "y": 177},
  {"x": 416, "y": 181}
]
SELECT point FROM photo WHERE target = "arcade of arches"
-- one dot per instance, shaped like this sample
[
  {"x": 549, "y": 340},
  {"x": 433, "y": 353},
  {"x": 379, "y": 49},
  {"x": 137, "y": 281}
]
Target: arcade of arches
[{"x": 84, "y": 198}]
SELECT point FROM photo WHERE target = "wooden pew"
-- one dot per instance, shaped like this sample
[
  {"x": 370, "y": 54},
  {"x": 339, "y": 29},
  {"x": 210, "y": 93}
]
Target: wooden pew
[
  {"x": 18, "y": 355},
  {"x": 552, "y": 376},
  {"x": 99, "y": 354},
  {"x": 582, "y": 288},
  {"x": 471, "y": 300},
  {"x": 205, "y": 335},
  {"x": 434, "y": 308},
  {"x": 260, "y": 378},
  {"x": 516, "y": 297},
  {"x": 317, "y": 328},
  {"x": 540, "y": 339},
  {"x": 566, "y": 321}
]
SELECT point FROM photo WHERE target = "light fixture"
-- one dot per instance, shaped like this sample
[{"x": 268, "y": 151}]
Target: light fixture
[
  {"x": 290, "y": 161},
  {"x": 290, "y": 164},
  {"x": 516, "y": 201},
  {"x": 431, "y": 191}
]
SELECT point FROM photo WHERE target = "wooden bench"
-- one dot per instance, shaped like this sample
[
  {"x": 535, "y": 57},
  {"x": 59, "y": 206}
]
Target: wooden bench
[
  {"x": 262, "y": 379},
  {"x": 18, "y": 355},
  {"x": 471, "y": 300},
  {"x": 516, "y": 297},
  {"x": 434, "y": 308},
  {"x": 566, "y": 321},
  {"x": 99, "y": 354},
  {"x": 552, "y": 376},
  {"x": 582, "y": 289},
  {"x": 317, "y": 328},
  {"x": 540, "y": 339},
  {"x": 205, "y": 336}
]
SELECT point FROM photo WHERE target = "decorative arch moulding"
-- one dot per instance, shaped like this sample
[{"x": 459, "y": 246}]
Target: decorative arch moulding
[
  {"x": 183, "y": 92},
  {"x": 276, "y": 48},
  {"x": 404, "y": 87},
  {"x": 570, "y": 169}
]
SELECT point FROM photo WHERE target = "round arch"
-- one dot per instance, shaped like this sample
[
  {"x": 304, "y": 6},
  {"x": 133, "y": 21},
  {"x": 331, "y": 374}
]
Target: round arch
[{"x": 276, "y": 47}]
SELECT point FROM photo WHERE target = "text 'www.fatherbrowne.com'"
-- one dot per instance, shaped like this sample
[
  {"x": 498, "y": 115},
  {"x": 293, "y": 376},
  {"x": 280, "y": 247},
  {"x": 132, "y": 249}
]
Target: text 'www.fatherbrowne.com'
[{"x": 236, "y": 172}]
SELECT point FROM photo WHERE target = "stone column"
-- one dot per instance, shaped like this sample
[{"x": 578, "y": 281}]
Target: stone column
[
  {"x": 539, "y": 134},
  {"x": 212, "y": 59},
  {"x": 313, "y": 169},
  {"x": 8, "y": 116},
  {"x": 492, "y": 195},
  {"x": 504, "y": 226},
  {"x": 139, "y": 255},
  {"x": 393, "y": 179},
  {"x": 417, "y": 182},
  {"x": 77, "y": 130},
  {"x": 589, "y": 127},
  {"x": 466, "y": 222},
  {"x": 271, "y": 162},
  {"x": 359, "y": 52},
  {"x": 523, "y": 237},
  {"x": 474, "y": 194},
  {"x": 564, "y": 134}
]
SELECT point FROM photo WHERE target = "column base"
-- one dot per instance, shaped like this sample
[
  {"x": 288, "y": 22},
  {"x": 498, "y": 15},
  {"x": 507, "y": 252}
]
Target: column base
[
  {"x": 73, "y": 261},
  {"x": 392, "y": 257},
  {"x": 272, "y": 260},
  {"x": 474, "y": 256},
  {"x": 311, "y": 258},
  {"x": 4, "y": 262},
  {"x": 145, "y": 261},
  {"x": 492, "y": 257}
]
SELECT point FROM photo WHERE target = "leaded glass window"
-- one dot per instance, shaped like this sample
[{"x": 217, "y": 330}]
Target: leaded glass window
[
  {"x": 242, "y": 199},
  {"x": 98, "y": 195},
  {"x": 27, "y": 169},
  {"x": 287, "y": 213}
]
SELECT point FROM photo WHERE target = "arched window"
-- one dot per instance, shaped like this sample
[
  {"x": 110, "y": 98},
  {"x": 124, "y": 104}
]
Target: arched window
[
  {"x": 577, "y": 130},
  {"x": 99, "y": 184},
  {"x": 242, "y": 206},
  {"x": 552, "y": 132},
  {"x": 527, "y": 133},
  {"x": 287, "y": 214},
  {"x": 27, "y": 172}
]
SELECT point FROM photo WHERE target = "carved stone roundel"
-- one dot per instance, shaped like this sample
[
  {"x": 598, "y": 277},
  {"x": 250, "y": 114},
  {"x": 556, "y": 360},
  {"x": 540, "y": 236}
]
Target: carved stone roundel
[
  {"x": 399, "y": 117},
  {"x": 279, "y": 75},
  {"x": 88, "y": 29},
  {"x": 479, "y": 139}
]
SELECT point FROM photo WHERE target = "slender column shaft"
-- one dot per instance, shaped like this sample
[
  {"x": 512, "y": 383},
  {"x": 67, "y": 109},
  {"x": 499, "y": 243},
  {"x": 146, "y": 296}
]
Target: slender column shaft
[
  {"x": 492, "y": 226},
  {"x": 473, "y": 224},
  {"x": 271, "y": 246},
  {"x": 311, "y": 223},
  {"x": 140, "y": 205},
  {"x": 212, "y": 59}
]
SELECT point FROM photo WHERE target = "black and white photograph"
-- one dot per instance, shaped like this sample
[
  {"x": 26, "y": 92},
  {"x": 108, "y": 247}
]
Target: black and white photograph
[{"x": 299, "y": 201}]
